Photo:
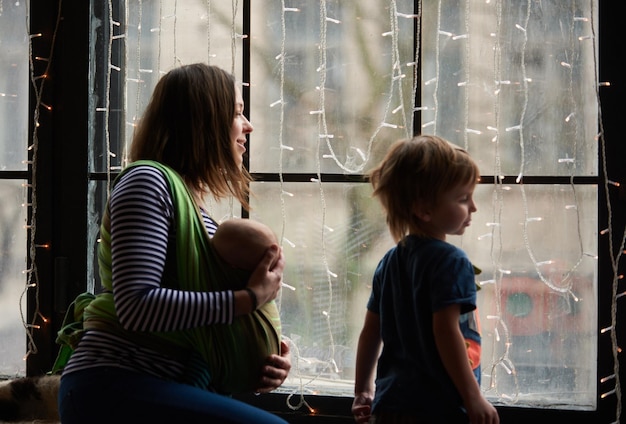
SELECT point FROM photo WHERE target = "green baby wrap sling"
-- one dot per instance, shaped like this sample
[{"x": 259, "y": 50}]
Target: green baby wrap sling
[{"x": 229, "y": 357}]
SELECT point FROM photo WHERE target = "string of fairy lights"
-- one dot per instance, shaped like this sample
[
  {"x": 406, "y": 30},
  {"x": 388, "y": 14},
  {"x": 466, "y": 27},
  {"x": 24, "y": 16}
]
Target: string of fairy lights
[
  {"x": 326, "y": 139},
  {"x": 564, "y": 285},
  {"x": 38, "y": 82},
  {"x": 397, "y": 72}
]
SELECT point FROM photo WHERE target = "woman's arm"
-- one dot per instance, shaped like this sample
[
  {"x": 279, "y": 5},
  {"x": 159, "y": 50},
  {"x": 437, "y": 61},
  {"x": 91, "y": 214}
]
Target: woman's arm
[{"x": 141, "y": 213}]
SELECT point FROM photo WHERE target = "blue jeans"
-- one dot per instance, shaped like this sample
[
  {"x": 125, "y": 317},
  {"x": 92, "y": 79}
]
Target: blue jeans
[{"x": 111, "y": 395}]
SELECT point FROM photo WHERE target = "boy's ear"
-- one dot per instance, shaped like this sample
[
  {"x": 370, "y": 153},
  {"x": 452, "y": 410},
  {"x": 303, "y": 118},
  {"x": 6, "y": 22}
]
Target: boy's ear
[{"x": 422, "y": 212}]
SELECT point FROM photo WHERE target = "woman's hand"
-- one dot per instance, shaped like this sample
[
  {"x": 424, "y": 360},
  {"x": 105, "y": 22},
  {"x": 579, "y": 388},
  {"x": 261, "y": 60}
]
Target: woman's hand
[
  {"x": 266, "y": 279},
  {"x": 276, "y": 370}
]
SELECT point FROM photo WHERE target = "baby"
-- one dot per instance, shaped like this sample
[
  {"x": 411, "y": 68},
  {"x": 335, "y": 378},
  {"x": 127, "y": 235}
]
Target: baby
[{"x": 240, "y": 244}]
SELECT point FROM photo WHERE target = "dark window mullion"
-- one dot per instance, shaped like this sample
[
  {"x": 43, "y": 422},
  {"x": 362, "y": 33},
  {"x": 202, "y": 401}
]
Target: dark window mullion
[{"x": 60, "y": 172}]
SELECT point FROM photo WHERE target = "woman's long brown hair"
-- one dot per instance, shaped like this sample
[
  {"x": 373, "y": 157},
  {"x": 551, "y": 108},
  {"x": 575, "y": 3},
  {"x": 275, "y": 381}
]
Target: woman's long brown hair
[{"x": 187, "y": 126}]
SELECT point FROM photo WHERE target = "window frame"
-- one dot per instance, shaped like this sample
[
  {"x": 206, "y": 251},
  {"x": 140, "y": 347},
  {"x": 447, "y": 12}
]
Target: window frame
[{"x": 61, "y": 218}]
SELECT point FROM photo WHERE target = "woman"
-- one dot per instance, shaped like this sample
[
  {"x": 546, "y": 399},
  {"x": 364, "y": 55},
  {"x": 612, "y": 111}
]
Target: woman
[{"x": 146, "y": 352}]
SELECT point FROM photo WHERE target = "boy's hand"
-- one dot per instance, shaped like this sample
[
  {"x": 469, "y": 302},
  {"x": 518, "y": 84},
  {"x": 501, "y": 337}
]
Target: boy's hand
[
  {"x": 362, "y": 408},
  {"x": 480, "y": 411}
]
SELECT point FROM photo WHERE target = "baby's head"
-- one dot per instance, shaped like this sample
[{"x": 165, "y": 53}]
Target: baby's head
[
  {"x": 415, "y": 173},
  {"x": 242, "y": 242}
]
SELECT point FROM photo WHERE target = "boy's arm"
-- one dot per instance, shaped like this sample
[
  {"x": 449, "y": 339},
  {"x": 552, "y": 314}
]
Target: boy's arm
[
  {"x": 453, "y": 353},
  {"x": 368, "y": 351}
]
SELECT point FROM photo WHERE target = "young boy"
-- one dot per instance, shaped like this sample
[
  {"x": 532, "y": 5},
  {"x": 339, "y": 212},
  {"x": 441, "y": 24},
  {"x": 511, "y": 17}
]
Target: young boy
[{"x": 421, "y": 309}]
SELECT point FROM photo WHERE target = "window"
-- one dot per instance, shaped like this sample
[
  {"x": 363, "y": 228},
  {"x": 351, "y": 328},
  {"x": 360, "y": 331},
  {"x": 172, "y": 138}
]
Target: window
[
  {"x": 328, "y": 86},
  {"x": 514, "y": 84},
  {"x": 13, "y": 181}
]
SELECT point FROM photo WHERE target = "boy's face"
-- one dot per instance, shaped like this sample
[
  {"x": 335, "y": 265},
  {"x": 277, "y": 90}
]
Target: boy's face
[{"x": 452, "y": 214}]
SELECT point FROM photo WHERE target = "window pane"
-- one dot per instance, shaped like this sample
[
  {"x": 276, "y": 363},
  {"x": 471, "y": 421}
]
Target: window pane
[
  {"x": 341, "y": 90},
  {"x": 332, "y": 87},
  {"x": 516, "y": 86},
  {"x": 332, "y": 238},
  {"x": 536, "y": 248},
  {"x": 14, "y": 71},
  {"x": 12, "y": 278},
  {"x": 157, "y": 37},
  {"x": 14, "y": 82},
  {"x": 98, "y": 195},
  {"x": 537, "y": 300},
  {"x": 160, "y": 36}
]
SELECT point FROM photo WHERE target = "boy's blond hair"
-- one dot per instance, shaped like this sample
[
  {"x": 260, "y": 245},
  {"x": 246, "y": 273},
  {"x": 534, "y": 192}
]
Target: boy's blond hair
[{"x": 415, "y": 173}]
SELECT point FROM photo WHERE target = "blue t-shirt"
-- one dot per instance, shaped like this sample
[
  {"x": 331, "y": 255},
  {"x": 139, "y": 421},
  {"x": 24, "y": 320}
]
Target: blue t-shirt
[{"x": 413, "y": 280}]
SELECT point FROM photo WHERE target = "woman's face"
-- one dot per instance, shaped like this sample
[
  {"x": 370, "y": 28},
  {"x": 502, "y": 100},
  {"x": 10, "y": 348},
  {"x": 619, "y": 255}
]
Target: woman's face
[{"x": 241, "y": 126}]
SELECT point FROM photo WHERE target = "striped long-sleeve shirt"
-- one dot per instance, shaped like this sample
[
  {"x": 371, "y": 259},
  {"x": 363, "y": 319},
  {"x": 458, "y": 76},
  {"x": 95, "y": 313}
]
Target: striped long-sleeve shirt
[{"x": 142, "y": 229}]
